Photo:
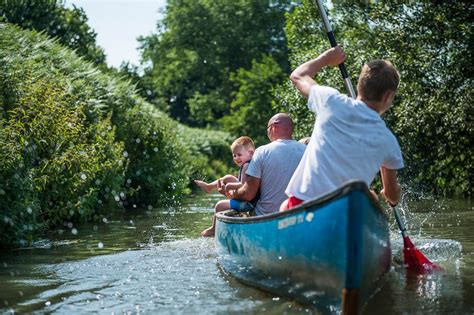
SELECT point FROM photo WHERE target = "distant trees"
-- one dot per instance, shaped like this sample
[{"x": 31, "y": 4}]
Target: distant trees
[
  {"x": 68, "y": 25},
  {"x": 201, "y": 44}
]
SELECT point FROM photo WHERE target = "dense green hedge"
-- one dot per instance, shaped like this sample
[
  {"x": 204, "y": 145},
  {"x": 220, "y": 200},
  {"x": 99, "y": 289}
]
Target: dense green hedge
[{"x": 75, "y": 142}]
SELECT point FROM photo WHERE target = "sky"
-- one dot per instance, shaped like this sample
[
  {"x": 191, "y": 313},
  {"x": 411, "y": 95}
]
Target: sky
[{"x": 118, "y": 23}]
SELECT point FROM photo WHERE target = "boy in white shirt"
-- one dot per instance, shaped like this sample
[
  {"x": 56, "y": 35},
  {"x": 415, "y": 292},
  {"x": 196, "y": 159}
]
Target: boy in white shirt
[{"x": 350, "y": 140}]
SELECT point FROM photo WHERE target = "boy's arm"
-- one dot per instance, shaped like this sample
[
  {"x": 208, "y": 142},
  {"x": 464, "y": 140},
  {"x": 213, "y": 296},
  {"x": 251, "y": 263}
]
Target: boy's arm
[
  {"x": 237, "y": 185},
  {"x": 302, "y": 77},
  {"x": 391, "y": 188}
]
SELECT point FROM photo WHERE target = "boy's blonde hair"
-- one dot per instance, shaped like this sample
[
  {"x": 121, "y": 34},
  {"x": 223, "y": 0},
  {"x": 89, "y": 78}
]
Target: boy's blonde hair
[
  {"x": 376, "y": 78},
  {"x": 245, "y": 142}
]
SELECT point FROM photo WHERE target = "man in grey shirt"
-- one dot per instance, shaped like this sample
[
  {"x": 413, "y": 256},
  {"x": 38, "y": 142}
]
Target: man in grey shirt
[{"x": 272, "y": 166}]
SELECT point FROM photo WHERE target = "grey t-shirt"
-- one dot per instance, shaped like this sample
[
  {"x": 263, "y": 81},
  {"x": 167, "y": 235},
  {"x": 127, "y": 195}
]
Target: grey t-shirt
[{"x": 274, "y": 164}]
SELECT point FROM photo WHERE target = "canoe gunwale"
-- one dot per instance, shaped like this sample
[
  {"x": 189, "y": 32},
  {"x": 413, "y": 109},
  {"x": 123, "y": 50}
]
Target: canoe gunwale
[{"x": 319, "y": 202}]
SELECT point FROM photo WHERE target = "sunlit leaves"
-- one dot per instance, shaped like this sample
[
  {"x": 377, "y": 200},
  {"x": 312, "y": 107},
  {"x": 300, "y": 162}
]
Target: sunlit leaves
[
  {"x": 68, "y": 25},
  {"x": 198, "y": 46}
]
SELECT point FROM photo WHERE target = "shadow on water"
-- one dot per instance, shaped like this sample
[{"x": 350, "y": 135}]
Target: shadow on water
[{"x": 156, "y": 262}]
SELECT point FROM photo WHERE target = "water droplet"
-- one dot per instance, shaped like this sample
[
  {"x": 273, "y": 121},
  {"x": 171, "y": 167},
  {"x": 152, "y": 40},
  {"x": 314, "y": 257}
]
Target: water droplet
[
  {"x": 100, "y": 245},
  {"x": 155, "y": 149},
  {"x": 125, "y": 154},
  {"x": 74, "y": 231},
  {"x": 29, "y": 210},
  {"x": 104, "y": 220},
  {"x": 137, "y": 140},
  {"x": 83, "y": 176}
]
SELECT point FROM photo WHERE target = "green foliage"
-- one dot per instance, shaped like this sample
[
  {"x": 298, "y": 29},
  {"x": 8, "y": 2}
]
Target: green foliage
[
  {"x": 18, "y": 203},
  {"x": 210, "y": 151},
  {"x": 252, "y": 104},
  {"x": 76, "y": 143},
  {"x": 68, "y": 25},
  {"x": 429, "y": 43},
  {"x": 200, "y": 43}
]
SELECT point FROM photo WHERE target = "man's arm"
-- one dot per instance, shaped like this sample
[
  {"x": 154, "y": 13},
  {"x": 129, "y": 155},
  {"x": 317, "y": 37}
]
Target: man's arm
[
  {"x": 302, "y": 77},
  {"x": 391, "y": 188},
  {"x": 249, "y": 189}
]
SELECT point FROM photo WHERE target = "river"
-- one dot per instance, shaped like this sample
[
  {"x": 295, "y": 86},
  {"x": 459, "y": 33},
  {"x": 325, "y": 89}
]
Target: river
[{"x": 156, "y": 262}]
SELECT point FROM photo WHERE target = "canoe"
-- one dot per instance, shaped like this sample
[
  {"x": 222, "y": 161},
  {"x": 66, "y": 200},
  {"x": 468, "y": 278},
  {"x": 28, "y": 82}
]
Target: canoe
[{"x": 331, "y": 252}]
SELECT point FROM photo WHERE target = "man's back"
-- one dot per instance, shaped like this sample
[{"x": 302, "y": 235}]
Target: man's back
[{"x": 274, "y": 164}]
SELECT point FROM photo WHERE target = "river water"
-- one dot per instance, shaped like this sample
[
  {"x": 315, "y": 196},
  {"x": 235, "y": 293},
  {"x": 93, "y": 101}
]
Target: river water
[{"x": 156, "y": 262}]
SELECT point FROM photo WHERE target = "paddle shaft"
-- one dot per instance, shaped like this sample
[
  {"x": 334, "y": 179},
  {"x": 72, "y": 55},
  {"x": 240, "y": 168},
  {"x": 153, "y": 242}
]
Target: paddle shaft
[
  {"x": 400, "y": 223},
  {"x": 332, "y": 40}
]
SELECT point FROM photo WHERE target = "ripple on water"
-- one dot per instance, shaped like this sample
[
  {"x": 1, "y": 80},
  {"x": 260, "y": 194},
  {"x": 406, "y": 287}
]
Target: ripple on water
[{"x": 167, "y": 277}]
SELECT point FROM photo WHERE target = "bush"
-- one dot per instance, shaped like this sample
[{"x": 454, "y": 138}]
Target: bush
[{"x": 76, "y": 143}]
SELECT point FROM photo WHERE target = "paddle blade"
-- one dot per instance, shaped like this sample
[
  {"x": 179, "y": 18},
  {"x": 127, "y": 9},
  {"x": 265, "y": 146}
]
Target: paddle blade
[{"x": 415, "y": 260}]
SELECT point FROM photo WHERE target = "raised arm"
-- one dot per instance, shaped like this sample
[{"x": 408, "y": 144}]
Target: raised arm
[
  {"x": 391, "y": 188},
  {"x": 303, "y": 76}
]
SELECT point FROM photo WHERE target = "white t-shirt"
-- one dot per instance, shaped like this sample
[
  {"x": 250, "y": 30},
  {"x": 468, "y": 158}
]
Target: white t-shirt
[
  {"x": 349, "y": 141},
  {"x": 274, "y": 164}
]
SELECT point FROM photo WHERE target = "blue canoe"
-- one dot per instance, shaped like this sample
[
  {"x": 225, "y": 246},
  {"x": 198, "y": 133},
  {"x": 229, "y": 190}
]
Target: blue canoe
[{"x": 330, "y": 252}]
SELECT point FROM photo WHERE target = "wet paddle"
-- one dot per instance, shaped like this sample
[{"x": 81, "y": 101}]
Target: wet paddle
[{"x": 414, "y": 259}]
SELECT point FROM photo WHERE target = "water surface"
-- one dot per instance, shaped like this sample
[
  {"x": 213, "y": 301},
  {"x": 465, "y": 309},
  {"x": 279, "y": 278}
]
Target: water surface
[{"x": 155, "y": 261}]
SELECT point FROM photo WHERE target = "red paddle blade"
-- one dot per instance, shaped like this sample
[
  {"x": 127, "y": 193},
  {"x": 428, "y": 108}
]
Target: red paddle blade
[{"x": 415, "y": 260}]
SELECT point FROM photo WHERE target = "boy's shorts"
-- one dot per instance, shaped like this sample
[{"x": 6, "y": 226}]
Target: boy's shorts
[
  {"x": 293, "y": 202},
  {"x": 241, "y": 206}
]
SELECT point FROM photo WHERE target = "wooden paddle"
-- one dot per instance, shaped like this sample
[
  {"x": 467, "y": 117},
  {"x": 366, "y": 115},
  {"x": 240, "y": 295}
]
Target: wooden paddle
[{"x": 414, "y": 259}]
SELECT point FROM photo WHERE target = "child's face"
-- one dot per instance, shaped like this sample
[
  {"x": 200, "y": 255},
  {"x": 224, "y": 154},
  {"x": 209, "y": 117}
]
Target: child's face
[{"x": 241, "y": 155}]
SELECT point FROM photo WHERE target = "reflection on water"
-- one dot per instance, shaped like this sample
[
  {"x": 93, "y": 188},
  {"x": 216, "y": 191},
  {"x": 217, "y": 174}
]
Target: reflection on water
[{"x": 155, "y": 262}]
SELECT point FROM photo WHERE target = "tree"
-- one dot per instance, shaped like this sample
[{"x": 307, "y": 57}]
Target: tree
[
  {"x": 68, "y": 25},
  {"x": 200, "y": 43},
  {"x": 252, "y": 105},
  {"x": 430, "y": 44}
]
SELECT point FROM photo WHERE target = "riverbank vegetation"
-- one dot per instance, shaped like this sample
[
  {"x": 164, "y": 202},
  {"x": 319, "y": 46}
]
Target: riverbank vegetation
[{"x": 76, "y": 142}]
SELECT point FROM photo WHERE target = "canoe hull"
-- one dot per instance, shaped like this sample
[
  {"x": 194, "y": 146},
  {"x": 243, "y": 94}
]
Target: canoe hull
[{"x": 313, "y": 252}]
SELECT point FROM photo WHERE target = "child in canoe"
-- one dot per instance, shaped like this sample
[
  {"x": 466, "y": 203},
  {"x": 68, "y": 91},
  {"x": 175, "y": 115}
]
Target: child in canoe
[{"x": 242, "y": 152}]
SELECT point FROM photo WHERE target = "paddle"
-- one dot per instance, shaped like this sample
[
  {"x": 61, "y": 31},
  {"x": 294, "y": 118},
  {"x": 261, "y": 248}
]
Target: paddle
[
  {"x": 414, "y": 259},
  {"x": 332, "y": 40}
]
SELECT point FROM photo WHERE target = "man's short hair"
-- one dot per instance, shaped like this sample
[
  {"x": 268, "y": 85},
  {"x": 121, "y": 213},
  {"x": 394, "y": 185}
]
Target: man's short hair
[
  {"x": 244, "y": 141},
  {"x": 376, "y": 78}
]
